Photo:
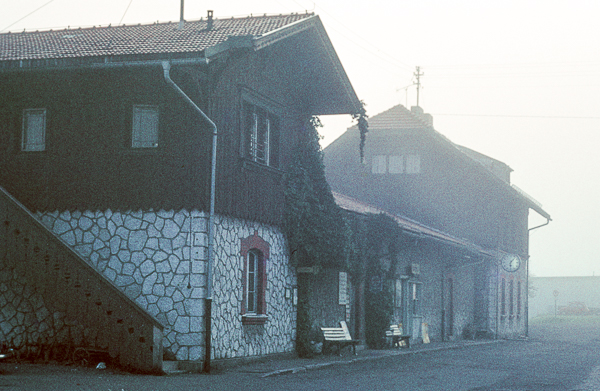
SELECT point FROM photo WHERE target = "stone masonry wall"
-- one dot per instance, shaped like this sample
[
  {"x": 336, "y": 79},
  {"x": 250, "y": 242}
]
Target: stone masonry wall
[
  {"x": 159, "y": 258},
  {"x": 230, "y": 337}
]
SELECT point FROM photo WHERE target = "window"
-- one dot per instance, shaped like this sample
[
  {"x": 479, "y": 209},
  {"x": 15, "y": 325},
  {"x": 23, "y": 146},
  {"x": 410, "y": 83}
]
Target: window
[
  {"x": 379, "y": 164},
  {"x": 396, "y": 164},
  {"x": 398, "y": 295},
  {"x": 413, "y": 164},
  {"x": 511, "y": 300},
  {"x": 255, "y": 255},
  {"x": 503, "y": 298},
  {"x": 252, "y": 281},
  {"x": 144, "y": 132},
  {"x": 518, "y": 299},
  {"x": 261, "y": 133},
  {"x": 34, "y": 130}
]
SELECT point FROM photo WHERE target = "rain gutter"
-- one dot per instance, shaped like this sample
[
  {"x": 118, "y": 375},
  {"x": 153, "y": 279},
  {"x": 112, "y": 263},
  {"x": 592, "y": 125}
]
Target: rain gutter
[
  {"x": 211, "y": 217},
  {"x": 541, "y": 225}
]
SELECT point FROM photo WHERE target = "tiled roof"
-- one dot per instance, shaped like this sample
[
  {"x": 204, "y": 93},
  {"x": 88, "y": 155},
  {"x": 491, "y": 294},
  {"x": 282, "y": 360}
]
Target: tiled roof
[
  {"x": 135, "y": 40},
  {"x": 356, "y": 206},
  {"x": 398, "y": 117}
]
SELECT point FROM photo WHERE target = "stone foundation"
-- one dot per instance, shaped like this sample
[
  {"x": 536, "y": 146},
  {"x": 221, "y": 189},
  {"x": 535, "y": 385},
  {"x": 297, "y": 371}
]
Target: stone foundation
[{"x": 158, "y": 258}]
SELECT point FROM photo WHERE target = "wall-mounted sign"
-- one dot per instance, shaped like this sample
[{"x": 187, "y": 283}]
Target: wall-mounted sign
[{"x": 343, "y": 289}]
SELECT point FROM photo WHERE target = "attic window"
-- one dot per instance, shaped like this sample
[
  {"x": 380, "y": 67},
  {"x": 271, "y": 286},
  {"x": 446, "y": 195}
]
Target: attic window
[
  {"x": 144, "y": 132},
  {"x": 396, "y": 164}
]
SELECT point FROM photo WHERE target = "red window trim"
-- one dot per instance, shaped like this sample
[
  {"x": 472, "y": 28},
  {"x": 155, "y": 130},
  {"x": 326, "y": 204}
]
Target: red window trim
[{"x": 255, "y": 242}]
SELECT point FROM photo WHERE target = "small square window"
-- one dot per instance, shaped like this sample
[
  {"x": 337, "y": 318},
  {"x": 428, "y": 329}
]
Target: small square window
[
  {"x": 413, "y": 164},
  {"x": 144, "y": 132},
  {"x": 34, "y": 130},
  {"x": 396, "y": 164}
]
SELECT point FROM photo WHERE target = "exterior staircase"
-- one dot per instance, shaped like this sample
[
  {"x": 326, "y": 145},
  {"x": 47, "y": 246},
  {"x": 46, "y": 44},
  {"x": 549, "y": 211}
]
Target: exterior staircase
[{"x": 74, "y": 305}]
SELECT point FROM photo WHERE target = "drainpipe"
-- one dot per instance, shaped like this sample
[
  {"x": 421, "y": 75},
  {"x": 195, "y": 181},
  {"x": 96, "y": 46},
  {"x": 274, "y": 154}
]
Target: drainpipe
[
  {"x": 527, "y": 287},
  {"x": 211, "y": 217}
]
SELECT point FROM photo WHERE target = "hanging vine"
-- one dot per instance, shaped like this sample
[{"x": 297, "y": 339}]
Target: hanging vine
[{"x": 361, "y": 119}]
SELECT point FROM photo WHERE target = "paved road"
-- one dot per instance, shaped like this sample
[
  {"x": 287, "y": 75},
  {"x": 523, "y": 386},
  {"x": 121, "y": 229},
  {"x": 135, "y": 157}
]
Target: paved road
[{"x": 556, "y": 357}]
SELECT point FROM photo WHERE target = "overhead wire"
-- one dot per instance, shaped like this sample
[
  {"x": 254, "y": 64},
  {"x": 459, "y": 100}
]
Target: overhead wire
[
  {"x": 124, "y": 13},
  {"x": 515, "y": 116},
  {"x": 26, "y": 16}
]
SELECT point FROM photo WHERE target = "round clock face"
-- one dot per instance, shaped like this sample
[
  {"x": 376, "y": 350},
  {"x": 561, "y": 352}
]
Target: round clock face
[{"x": 511, "y": 263}]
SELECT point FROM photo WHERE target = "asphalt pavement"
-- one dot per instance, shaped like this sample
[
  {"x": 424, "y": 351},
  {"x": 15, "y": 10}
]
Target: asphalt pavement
[{"x": 289, "y": 363}]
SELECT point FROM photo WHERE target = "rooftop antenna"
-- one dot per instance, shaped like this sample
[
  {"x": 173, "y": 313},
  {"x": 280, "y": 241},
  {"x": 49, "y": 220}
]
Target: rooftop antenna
[
  {"x": 417, "y": 75},
  {"x": 181, "y": 20},
  {"x": 405, "y": 93}
]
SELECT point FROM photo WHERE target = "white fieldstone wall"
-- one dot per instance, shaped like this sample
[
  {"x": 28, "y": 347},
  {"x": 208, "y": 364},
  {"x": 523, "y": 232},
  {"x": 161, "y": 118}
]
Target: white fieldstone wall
[
  {"x": 158, "y": 258},
  {"x": 230, "y": 337}
]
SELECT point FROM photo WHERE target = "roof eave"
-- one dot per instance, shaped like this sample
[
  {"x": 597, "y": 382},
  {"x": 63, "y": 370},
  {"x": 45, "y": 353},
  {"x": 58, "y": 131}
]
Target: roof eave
[{"x": 314, "y": 22}]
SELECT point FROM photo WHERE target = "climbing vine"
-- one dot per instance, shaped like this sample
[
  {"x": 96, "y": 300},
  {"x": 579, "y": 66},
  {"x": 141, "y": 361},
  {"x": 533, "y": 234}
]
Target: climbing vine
[
  {"x": 317, "y": 231},
  {"x": 316, "y": 228},
  {"x": 376, "y": 237}
]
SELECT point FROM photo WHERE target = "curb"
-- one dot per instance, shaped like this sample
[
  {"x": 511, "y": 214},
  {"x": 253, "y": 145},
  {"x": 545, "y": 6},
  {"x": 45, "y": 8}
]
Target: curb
[{"x": 312, "y": 367}]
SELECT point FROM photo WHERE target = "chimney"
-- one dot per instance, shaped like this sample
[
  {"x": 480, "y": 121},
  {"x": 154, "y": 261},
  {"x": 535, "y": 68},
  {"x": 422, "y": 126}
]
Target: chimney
[
  {"x": 181, "y": 20},
  {"x": 209, "y": 20},
  {"x": 417, "y": 111}
]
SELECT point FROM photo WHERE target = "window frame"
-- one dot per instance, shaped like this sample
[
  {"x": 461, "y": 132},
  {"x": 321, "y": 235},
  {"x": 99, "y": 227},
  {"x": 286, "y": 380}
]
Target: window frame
[
  {"x": 25, "y": 144},
  {"x": 144, "y": 144},
  {"x": 256, "y": 248},
  {"x": 393, "y": 164},
  {"x": 260, "y": 125}
]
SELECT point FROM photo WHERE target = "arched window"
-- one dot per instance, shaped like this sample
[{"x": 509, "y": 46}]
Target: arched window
[
  {"x": 255, "y": 255},
  {"x": 253, "y": 283}
]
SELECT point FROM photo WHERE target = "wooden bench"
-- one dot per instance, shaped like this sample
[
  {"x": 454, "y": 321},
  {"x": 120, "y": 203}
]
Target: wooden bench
[
  {"x": 395, "y": 334},
  {"x": 339, "y": 337}
]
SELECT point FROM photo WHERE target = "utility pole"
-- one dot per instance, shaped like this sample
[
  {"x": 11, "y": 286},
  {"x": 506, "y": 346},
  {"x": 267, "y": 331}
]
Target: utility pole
[{"x": 418, "y": 75}]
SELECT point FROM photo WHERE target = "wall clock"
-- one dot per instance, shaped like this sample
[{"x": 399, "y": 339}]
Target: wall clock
[{"x": 511, "y": 263}]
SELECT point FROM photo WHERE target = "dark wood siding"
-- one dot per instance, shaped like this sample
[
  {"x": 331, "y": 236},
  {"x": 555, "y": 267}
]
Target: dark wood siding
[
  {"x": 450, "y": 193},
  {"x": 244, "y": 188},
  {"x": 88, "y": 162}
]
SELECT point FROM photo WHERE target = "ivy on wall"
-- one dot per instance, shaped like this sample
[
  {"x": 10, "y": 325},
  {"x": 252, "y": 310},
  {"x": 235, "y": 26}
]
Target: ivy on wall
[
  {"x": 374, "y": 256},
  {"x": 316, "y": 228}
]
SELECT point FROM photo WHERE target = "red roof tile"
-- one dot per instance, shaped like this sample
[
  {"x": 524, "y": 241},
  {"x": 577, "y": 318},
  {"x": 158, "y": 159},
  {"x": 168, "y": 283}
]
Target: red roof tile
[{"x": 135, "y": 40}]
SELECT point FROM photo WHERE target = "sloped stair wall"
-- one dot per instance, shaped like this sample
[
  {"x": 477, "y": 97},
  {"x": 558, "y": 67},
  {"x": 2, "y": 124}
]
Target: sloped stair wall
[{"x": 51, "y": 297}]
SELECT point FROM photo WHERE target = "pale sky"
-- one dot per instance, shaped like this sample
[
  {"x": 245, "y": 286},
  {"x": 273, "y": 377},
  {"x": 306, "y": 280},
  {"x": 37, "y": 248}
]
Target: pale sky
[{"x": 516, "y": 80}]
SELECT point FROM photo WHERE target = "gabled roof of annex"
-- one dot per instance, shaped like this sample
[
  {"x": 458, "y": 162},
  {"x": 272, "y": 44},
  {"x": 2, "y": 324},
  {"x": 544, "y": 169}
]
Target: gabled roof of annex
[{"x": 411, "y": 226}]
